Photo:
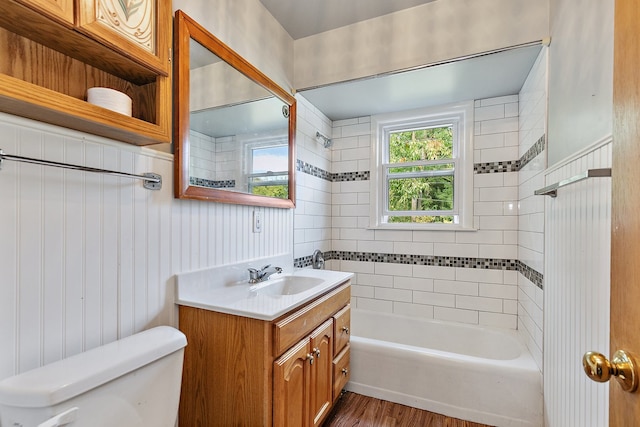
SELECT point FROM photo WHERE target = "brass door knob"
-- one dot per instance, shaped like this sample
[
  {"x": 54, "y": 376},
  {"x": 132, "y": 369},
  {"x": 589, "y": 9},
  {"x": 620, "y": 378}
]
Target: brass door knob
[{"x": 600, "y": 369}]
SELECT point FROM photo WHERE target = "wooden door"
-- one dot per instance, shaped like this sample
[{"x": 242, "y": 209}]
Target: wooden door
[
  {"x": 291, "y": 379},
  {"x": 139, "y": 29},
  {"x": 624, "y": 409},
  {"x": 58, "y": 10},
  {"x": 321, "y": 372}
]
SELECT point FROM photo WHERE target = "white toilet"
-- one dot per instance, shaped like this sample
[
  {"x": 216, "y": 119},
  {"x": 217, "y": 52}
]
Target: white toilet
[{"x": 133, "y": 382}]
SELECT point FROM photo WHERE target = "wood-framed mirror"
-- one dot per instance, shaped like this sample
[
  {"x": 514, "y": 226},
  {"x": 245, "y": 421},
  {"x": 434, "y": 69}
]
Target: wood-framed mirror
[{"x": 234, "y": 128}]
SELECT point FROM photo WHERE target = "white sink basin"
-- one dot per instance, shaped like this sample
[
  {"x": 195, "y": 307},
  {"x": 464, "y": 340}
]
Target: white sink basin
[
  {"x": 226, "y": 288},
  {"x": 287, "y": 285}
]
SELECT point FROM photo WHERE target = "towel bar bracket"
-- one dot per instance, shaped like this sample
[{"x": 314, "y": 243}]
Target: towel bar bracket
[{"x": 552, "y": 190}]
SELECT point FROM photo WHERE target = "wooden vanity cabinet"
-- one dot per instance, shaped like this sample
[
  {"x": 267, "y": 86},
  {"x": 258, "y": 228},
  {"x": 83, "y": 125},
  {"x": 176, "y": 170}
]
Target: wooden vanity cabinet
[
  {"x": 249, "y": 372},
  {"x": 302, "y": 380},
  {"x": 56, "y": 50}
]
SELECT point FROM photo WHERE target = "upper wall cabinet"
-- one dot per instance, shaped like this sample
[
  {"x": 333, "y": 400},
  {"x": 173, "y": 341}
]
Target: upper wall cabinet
[
  {"x": 61, "y": 10},
  {"x": 127, "y": 26},
  {"x": 57, "y": 49}
]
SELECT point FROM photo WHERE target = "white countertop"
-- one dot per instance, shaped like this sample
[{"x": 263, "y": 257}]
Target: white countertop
[{"x": 203, "y": 290}]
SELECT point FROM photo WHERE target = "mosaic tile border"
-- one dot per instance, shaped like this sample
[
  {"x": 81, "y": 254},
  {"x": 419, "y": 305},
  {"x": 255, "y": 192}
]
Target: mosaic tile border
[
  {"x": 534, "y": 276},
  {"x": 532, "y": 153},
  {"x": 331, "y": 177},
  {"x": 478, "y": 168},
  {"x": 201, "y": 182},
  {"x": 431, "y": 260},
  {"x": 512, "y": 165},
  {"x": 496, "y": 167}
]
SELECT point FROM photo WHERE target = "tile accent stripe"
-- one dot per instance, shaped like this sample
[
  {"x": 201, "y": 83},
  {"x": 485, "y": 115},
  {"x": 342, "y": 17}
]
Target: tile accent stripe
[
  {"x": 532, "y": 153},
  {"x": 497, "y": 167},
  {"x": 483, "y": 263},
  {"x": 479, "y": 168},
  {"x": 431, "y": 260},
  {"x": 512, "y": 165},
  {"x": 331, "y": 177},
  {"x": 202, "y": 182}
]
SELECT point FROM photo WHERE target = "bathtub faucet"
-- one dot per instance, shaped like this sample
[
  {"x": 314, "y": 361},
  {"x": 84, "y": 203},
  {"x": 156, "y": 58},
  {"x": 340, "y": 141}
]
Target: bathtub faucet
[{"x": 257, "y": 276}]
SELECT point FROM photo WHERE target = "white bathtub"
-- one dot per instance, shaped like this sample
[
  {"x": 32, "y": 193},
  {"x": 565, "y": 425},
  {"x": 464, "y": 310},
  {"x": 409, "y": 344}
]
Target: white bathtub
[{"x": 474, "y": 373}]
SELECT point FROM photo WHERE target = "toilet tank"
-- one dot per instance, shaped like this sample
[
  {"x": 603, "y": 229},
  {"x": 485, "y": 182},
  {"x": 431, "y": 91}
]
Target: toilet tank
[{"x": 132, "y": 382}]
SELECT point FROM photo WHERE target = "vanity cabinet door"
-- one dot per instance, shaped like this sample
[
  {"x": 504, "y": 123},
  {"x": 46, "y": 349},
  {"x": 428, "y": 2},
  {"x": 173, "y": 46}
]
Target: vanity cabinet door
[
  {"x": 342, "y": 328},
  {"x": 321, "y": 372},
  {"x": 60, "y": 11},
  {"x": 341, "y": 371},
  {"x": 130, "y": 27},
  {"x": 291, "y": 381}
]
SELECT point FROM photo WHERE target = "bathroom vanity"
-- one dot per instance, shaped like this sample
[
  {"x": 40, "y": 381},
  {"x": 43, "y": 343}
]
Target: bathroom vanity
[{"x": 254, "y": 370}]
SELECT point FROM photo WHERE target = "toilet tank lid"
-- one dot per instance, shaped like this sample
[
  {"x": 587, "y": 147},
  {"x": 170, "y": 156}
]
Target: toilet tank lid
[{"x": 67, "y": 378}]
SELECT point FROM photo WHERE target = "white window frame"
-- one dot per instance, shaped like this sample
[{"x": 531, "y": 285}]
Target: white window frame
[
  {"x": 260, "y": 142},
  {"x": 460, "y": 116}
]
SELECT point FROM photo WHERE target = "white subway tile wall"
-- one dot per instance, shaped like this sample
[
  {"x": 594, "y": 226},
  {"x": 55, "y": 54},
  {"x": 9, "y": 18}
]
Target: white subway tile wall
[
  {"x": 533, "y": 111},
  {"x": 445, "y": 293},
  {"x": 314, "y": 196},
  {"x": 89, "y": 258}
]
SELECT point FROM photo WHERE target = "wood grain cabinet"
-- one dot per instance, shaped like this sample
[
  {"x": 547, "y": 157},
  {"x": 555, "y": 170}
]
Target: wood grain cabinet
[
  {"x": 248, "y": 372},
  {"x": 57, "y": 49},
  {"x": 302, "y": 380}
]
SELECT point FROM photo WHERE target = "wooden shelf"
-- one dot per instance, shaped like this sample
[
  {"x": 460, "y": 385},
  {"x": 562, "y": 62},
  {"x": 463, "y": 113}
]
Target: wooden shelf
[{"x": 48, "y": 67}]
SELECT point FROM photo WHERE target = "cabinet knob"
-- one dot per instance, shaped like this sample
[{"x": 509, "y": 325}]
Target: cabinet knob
[
  {"x": 345, "y": 371},
  {"x": 345, "y": 329},
  {"x": 310, "y": 358},
  {"x": 317, "y": 352}
]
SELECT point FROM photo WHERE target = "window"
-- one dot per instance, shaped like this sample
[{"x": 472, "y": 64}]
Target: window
[
  {"x": 266, "y": 165},
  {"x": 422, "y": 173}
]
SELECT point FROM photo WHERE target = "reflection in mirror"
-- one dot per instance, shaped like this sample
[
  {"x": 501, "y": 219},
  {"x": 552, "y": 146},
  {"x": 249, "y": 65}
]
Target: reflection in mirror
[{"x": 235, "y": 135}]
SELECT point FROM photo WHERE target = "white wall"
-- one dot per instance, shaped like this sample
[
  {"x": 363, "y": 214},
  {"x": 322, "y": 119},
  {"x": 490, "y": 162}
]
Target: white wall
[
  {"x": 532, "y": 130},
  {"x": 577, "y": 222},
  {"x": 476, "y": 296},
  {"x": 312, "y": 223},
  {"x": 426, "y": 34},
  {"x": 580, "y": 75},
  {"x": 577, "y": 270},
  {"x": 89, "y": 258},
  {"x": 249, "y": 29}
]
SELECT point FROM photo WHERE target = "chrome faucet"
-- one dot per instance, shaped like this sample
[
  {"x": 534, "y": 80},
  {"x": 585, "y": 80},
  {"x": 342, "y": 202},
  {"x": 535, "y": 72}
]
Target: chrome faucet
[
  {"x": 257, "y": 276},
  {"x": 317, "y": 260}
]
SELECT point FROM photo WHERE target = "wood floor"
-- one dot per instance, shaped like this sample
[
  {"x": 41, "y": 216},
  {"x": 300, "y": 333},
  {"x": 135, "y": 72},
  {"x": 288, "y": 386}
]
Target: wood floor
[{"x": 355, "y": 410}]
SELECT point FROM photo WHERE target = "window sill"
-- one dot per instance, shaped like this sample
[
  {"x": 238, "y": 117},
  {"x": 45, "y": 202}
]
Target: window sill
[{"x": 422, "y": 227}]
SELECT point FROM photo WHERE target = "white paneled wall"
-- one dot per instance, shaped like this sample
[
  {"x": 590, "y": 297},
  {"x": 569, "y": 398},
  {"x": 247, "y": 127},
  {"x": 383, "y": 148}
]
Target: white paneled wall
[
  {"x": 487, "y": 297},
  {"x": 533, "y": 113},
  {"x": 312, "y": 220},
  {"x": 577, "y": 266},
  {"x": 88, "y": 258}
]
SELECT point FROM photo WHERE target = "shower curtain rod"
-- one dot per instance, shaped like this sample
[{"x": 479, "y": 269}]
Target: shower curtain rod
[{"x": 151, "y": 181}]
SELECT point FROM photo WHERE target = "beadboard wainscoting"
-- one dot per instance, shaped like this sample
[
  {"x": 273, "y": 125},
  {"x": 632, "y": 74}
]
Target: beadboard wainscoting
[
  {"x": 577, "y": 290},
  {"x": 89, "y": 258}
]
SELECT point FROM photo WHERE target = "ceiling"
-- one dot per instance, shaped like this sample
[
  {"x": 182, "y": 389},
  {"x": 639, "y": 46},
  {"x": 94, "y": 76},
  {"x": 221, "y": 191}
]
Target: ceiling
[
  {"x": 483, "y": 76},
  {"x": 302, "y": 18}
]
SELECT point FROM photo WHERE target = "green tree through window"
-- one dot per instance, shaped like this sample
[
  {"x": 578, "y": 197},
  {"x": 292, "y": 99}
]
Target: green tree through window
[{"x": 420, "y": 174}]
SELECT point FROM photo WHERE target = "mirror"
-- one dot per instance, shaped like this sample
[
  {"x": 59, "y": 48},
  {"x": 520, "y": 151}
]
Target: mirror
[{"x": 234, "y": 128}]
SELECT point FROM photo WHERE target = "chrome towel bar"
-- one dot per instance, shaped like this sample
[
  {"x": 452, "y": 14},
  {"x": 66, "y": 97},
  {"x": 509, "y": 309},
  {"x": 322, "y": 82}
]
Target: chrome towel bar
[
  {"x": 151, "y": 181},
  {"x": 552, "y": 190}
]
